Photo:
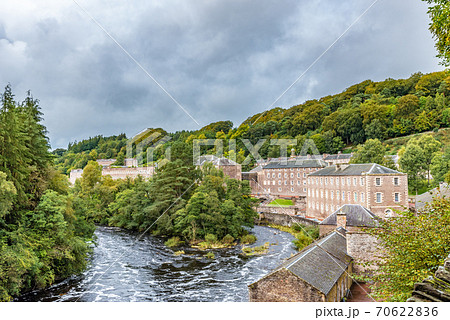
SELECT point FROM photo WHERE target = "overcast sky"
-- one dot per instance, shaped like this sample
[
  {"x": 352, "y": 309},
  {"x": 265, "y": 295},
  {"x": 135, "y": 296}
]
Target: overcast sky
[{"x": 221, "y": 60}]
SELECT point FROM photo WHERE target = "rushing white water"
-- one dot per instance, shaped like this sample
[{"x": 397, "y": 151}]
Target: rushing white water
[{"x": 149, "y": 271}]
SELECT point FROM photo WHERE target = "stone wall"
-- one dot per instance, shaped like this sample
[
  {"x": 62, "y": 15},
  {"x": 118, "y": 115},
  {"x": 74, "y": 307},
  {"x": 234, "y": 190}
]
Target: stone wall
[
  {"x": 362, "y": 247},
  {"x": 434, "y": 289},
  {"x": 283, "y": 286},
  {"x": 286, "y": 220}
]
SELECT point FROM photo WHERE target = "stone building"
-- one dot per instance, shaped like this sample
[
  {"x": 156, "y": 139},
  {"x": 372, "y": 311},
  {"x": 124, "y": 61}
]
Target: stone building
[
  {"x": 379, "y": 189},
  {"x": 320, "y": 272},
  {"x": 287, "y": 178},
  {"x": 229, "y": 167},
  {"x": 339, "y": 158},
  {"x": 254, "y": 177},
  {"x": 361, "y": 245}
]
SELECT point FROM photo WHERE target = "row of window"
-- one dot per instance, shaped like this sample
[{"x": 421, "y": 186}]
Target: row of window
[
  {"x": 286, "y": 175},
  {"x": 292, "y": 182},
  {"x": 348, "y": 180},
  {"x": 379, "y": 197},
  {"x": 281, "y": 189}
]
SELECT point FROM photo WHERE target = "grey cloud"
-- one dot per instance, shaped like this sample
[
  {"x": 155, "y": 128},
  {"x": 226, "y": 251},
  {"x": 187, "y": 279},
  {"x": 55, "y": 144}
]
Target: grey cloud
[{"x": 222, "y": 60}]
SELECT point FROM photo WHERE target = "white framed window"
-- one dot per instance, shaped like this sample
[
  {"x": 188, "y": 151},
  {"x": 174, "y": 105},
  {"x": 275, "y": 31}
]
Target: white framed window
[
  {"x": 317, "y": 193},
  {"x": 304, "y": 182},
  {"x": 331, "y": 181},
  {"x": 321, "y": 181},
  {"x": 279, "y": 182},
  {"x": 343, "y": 181},
  {"x": 298, "y": 182},
  {"x": 309, "y": 193},
  {"x": 279, "y": 175},
  {"x": 355, "y": 195},
  {"x": 332, "y": 208},
  {"x": 348, "y": 195},
  {"x": 292, "y": 182},
  {"x": 348, "y": 181},
  {"x": 326, "y": 181},
  {"x": 326, "y": 194},
  {"x": 304, "y": 174},
  {"x": 321, "y": 194},
  {"x": 268, "y": 176},
  {"x": 326, "y": 208},
  {"x": 362, "y": 181},
  {"x": 273, "y": 182},
  {"x": 396, "y": 181},
  {"x": 304, "y": 190},
  {"x": 337, "y": 181},
  {"x": 343, "y": 195},
  {"x": 292, "y": 189},
  {"x": 279, "y": 189},
  {"x": 285, "y": 175},
  {"x": 362, "y": 196},
  {"x": 378, "y": 197},
  {"x": 292, "y": 175},
  {"x": 332, "y": 194},
  {"x": 354, "y": 181},
  {"x": 285, "y": 182},
  {"x": 397, "y": 197},
  {"x": 378, "y": 181},
  {"x": 298, "y": 174}
]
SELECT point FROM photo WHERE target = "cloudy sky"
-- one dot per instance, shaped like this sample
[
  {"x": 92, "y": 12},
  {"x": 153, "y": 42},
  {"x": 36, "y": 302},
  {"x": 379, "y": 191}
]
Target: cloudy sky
[{"x": 219, "y": 59}]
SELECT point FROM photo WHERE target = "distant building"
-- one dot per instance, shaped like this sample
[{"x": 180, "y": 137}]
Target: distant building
[
  {"x": 423, "y": 199},
  {"x": 361, "y": 245},
  {"x": 379, "y": 189},
  {"x": 254, "y": 178},
  {"x": 130, "y": 170},
  {"x": 229, "y": 167},
  {"x": 320, "y": 273},
  {"x": 287, "y": 178},
  {"x": 339, "y": 158}
]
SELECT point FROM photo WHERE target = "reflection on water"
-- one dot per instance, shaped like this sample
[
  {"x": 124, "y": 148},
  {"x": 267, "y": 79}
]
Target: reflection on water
[{"x": 151, "y": 272}]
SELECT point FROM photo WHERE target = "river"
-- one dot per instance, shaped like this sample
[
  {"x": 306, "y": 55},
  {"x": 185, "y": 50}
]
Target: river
[{"x": 149, "y": 271}]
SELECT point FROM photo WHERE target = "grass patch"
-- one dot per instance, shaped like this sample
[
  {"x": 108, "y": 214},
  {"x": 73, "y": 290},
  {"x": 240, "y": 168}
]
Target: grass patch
[
  {"x": 254, "y": 251},
  {"x": 282, "y": 203},
  {"x": 210, "y": 255},
  {"x": 179, "y": 253}
]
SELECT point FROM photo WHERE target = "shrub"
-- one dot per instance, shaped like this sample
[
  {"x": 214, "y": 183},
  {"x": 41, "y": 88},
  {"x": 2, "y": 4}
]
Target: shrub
[
  {"x": 210, "y": 255},
  {"x": 210, "y": 238},
  {"x": 228, "y": 239},
  {"x": 173, "y": 242},
  {"x": 248, "y": 239},
  {"x": 302, "y": 240}
]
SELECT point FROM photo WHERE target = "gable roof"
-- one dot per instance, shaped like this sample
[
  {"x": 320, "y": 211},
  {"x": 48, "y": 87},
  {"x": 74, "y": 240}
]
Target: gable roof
[
  {"x": 356, "y": 216},
  {"x": 215, "y": 161},
  {"x": 339, "y": 156},
  {"x": 442, "y": 191},
  {"x": 321, "y": 263},
  {"x": 299, "y": 163},
  {"x": 354, "y": 170}
]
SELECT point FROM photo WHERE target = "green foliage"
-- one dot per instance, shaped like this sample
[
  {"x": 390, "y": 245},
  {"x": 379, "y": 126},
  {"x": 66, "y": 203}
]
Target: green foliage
[
  {"x": 228, "y": 239},
  {"x": 42, "y": 236},
  {"x": 258, "y": 250},
  {"x": 173, "y": 242},
  {"x": 248, "y": 239},
  {"x": 211, "y": 238},
  {"x": 210, "y": 255},
  {"x": 372, "y": 151},
  {"x": 439, "y": 12},
  {"x": 413, "y": 246},
  {"x": 416, "y": 158}
]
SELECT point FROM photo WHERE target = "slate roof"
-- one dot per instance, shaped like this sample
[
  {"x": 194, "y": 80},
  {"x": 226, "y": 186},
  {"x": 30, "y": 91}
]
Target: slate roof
[
  {"x": 354, "y": 170},
  {"x": 305, "y": 163},
  {"x": 215, "y": 161},
  {"x": 339, "y": 156},
  {"x": 356, "y": 216},
  {"x": 320, "y": 264},
  {"x": 442, "y": 191}
]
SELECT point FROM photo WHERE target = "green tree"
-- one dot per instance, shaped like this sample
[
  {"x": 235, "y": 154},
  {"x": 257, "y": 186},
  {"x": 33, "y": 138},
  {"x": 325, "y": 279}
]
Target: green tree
[
  {"x": 372, "y": 151},
  {"x": 412, "y": 246},
  {"x": 91, "y": 175},
  {"x": 7, "y": 195},
  {"x": 439, "y": 12}
]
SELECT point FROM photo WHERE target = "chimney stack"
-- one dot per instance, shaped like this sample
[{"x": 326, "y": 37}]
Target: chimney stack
[{"x": 341, "y": 220}]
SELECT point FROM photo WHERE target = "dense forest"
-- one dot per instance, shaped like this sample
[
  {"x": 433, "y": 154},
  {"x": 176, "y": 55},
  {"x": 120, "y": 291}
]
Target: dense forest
[{"x": 44, "y": 237}]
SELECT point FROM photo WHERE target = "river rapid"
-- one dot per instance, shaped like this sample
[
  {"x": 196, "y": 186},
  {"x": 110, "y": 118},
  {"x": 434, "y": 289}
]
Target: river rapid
[{"x": 149, "y": 271}]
